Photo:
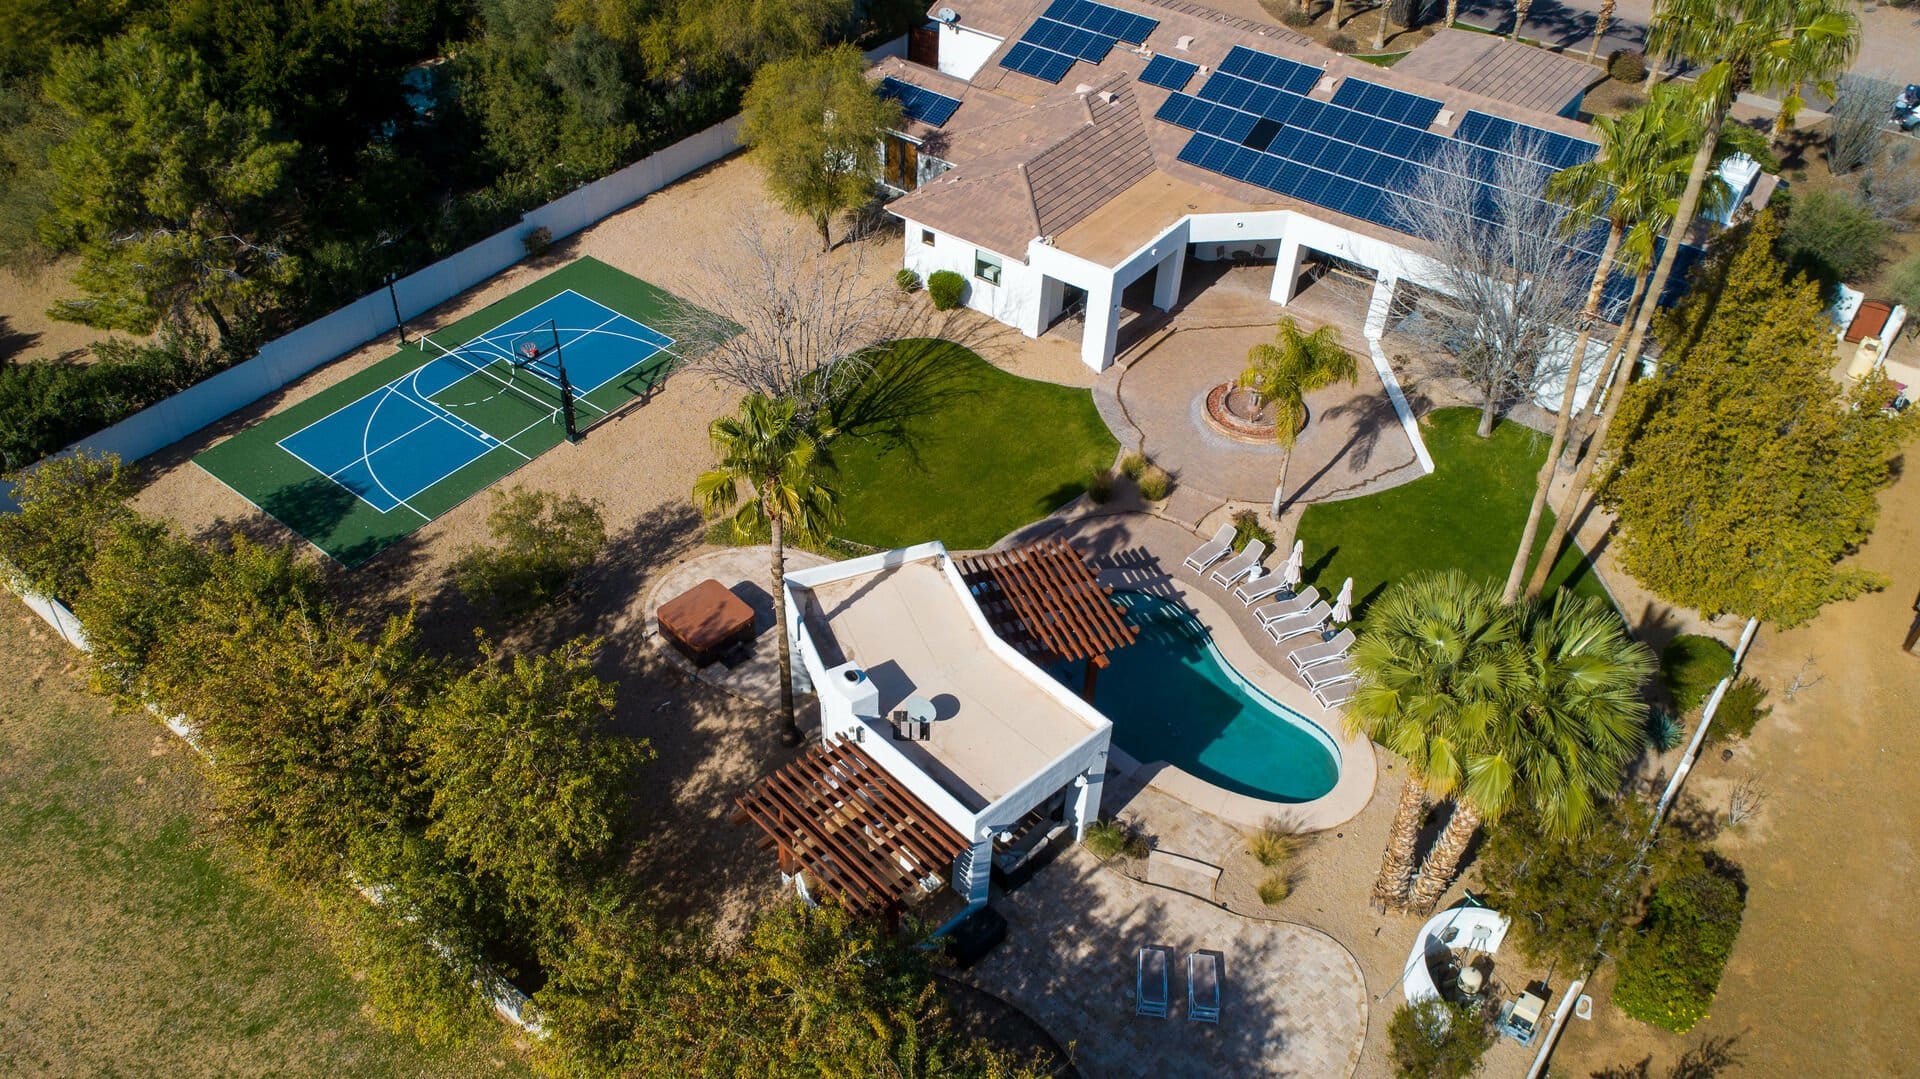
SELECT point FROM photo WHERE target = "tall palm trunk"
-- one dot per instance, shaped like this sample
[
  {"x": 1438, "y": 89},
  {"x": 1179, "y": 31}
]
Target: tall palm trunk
[
  {"x": 1453, "y": 12},
  {"x": 1397, "y": 866},
  {"x": 1588, "y": 315},
  {"x": 1601, "y": 22},
  {"x": 1280, "y": 488},
  {"x": 1333, "y": 20},
  {"x": 1380, "y": 27},
  {"x": 1520, "y": 10},
  {"x": 1443, "y": 862},
  {"x": 776, "y": 528},
  {"x": 1569, "y": 506}
]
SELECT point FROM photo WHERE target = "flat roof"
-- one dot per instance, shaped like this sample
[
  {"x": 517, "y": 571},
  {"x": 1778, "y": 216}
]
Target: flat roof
[{"x": 914, "y": 633}]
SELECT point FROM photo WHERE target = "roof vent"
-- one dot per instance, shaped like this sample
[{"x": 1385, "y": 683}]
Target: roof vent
[
  {"x": 1185, "y": 42},
  {"x": 1106, "y": 96},
  {"x": 947, "y": 15},
  {"x": 1325, "y": 86},
  {"x": 1442, "y": 119}
]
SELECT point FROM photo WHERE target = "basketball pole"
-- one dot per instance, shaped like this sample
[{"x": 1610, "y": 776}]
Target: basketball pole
[{"x": 566, "y": 388}]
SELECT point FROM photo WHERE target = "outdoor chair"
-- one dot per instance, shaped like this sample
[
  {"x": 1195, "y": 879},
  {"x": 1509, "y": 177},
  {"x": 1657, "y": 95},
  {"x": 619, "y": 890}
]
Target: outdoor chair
[
  {"x": 1307, "y": 621},
  {"x": 1259, "y": 588},
  {"x": 1320, "y": 652},
  {"x": 1211, "y": 551},
  {"x": 1335, "y": 695},
  {"x": 1240, "y": 566},
  {"x": 1150, "y": 983},
  {"x": 1203, "y": 987},
  {"x": 1287, "y": 608},
  {"x": 1326, "y": 674}
]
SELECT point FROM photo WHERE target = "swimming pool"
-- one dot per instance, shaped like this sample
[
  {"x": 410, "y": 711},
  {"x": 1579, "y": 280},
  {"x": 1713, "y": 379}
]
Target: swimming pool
[{"x": 1173, "y": 697}]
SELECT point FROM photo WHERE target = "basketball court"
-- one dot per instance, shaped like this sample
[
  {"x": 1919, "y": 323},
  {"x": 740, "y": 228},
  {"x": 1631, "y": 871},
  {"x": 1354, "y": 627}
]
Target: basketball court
[{"x": 363, "y": 463}]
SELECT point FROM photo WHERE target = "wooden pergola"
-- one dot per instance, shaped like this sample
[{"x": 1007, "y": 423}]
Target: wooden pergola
[
  {"x": 854, "y": 829},
  {"x": 1045, "y": 599}
]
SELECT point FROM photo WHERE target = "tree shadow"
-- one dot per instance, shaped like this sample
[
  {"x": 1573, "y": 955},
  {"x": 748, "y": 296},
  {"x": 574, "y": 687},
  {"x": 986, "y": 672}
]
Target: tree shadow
[{"x": 12, "y": 341}]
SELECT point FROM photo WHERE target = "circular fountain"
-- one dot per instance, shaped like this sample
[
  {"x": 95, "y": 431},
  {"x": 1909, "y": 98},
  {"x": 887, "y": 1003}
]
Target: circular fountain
[{"x": 1239, "y": 413}]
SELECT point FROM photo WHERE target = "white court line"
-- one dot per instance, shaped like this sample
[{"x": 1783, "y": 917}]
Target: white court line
[
  {"x": 657, "y": 350},
  {"x": 365, "y": 455}
]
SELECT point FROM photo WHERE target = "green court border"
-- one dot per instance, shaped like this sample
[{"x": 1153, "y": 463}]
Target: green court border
[{"x": 350, "y": 531}]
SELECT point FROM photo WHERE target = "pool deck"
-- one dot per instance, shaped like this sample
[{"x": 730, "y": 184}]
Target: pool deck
[{"x": 1145, "y": 553}]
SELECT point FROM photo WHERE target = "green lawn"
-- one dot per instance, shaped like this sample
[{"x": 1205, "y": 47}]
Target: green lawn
[
  {"x": 1467, "y": 514},
  {"x": 136, "y": 944},
  {"x": 949, "y": 447}
]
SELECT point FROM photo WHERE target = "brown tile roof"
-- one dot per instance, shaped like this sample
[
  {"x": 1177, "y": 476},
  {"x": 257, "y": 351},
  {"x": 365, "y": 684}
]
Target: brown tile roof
[
  {"x": 1001, "y": 18},
  {"x": 1523, "y": 75},
  {"x": 1080, "y": 173}
]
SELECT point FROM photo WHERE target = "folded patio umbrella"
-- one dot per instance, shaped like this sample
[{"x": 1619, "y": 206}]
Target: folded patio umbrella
[
  {"x": 1290, "y": 572},
  {"x": 1343, "y": 607}
]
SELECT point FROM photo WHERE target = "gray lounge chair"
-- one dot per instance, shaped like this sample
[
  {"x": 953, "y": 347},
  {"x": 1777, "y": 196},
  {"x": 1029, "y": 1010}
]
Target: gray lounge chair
[
  {"x": 1256, "y": 589},
  {"x": 1241, "y": 564},
  {"x": 1325, "y": 674},
  {"x": 1336, "y": 695},
  {"x": 1308, "y": 621},
  {"x": 1211, "y": 551},
  {"x": 1203, "y": 987},
  {"x": 1323, "y": 652},
  {"x": 1150, "y": 983},
  {"x": 1287, "y": 608}
]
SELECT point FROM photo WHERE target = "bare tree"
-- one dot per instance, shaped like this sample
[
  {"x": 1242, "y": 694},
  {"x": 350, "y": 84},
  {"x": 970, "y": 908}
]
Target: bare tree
[
  {"x": 1855, "y": 121},
  {"x": 1891, "y": 186},
  {"x": 1744, "y": 801},
  {"x": 1497, "y": 253}
]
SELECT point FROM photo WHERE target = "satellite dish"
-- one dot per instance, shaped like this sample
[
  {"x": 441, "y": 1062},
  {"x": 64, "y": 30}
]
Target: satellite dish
[{"x": 947, "y": 14}]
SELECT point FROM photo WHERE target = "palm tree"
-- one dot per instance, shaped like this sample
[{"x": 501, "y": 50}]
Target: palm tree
[
  {"x": 786, "y": 462},
  {"x": 1435, "y": 663},
  {"x": 1520, "y": 10},
  {"x": 1601, "y": 20},
  {"x": 1284, "y": 372},
  {"x": 1558, "y": 739}
]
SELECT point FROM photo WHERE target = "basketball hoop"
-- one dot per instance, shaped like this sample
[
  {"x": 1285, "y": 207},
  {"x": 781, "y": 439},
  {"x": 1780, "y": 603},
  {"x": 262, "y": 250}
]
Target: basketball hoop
[{"x": 529, "y": 350}]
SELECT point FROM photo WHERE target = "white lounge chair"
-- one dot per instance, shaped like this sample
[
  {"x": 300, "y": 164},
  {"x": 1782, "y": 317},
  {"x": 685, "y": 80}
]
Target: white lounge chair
[
  {"x": 1211, "y": 551},
  {"x": 1308, "y": 621},
  {"x": 1203, "y": 987},
  {"x": 1322, "y": 675},
  {"x": 1256, "y": 589},
  {"x": 1241, "y": 565},
  {"x": 1336, "y": 695},
  {"x": 1287, "y": 608},
  {"x": 1150, "y": 983},
  {"x": 1322, "y": 652}
]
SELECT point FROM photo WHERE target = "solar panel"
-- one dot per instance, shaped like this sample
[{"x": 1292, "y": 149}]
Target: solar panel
[
  {"x": 1043, "y": 64},
  {"x": 919, "y": 103},
  {"x": 1165, "y": 71}
]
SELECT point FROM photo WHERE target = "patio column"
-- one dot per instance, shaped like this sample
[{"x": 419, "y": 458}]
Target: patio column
[
  {"x": 1083, "y": 803},
  {"x": 973, "y": 870},
  {"x": 1379, "y": 307},
  {"x": 1286, "y": 270},
  {"x": 1166, "y": 278},
  {"x": 1101, "y": 338}
]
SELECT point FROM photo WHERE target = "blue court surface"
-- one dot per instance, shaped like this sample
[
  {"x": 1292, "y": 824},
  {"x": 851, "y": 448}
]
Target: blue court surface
[{"x": 464, "y": 403}]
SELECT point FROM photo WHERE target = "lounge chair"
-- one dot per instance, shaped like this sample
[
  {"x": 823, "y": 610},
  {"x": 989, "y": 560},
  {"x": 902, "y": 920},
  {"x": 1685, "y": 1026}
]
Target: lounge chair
[
  {"x": 1241, "y": 565},
  {"x": 1325, "y": 674},
  {"x": 1335, "y": 695},
  {"x": 1323, "y": 652},
  {"x": 1307, "y": 621},
  {"x": 1150, "y": 983},
  {"x": 1287, "y": 608},
  {"x": 1256, "y": 589},
  {"x": 1203, "y": 987},
  {"x": 1211, "y": 551}
]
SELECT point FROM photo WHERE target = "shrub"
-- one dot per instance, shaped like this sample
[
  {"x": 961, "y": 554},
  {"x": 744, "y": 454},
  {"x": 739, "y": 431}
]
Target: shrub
[
  {"x": 1298, "y": 19},
  {"x": 907, "y": 280},
  {"x": 1741, "y": 707},
  {"x": 945, "y": 288},
  {"x": 1133, "y": 464},
  {"x": 1275, "y": 888},
  {"x": 1903, "y": 286},
  {"x": 1342, "y": 43},
  {"x": 1436, "y": 1039},
  {"x": 1106, "y": 838},
  {"x": 1832, "y": 237},
  {"x": 1247, "y": 527},
  {"x": 1664, "y": 730},
  {"x": 1627, "y": 65},
  {"x": 1155, "y": 484},
  {"x": 69, "y": 507},
  {"x": 541, "y": 541},
  {"x": 49, "y": 404},
  {"x": 1691, "y": 666},
  {"x": 1891, "y": 186},
  {"x": 1100, "y": 485},
  {"x": 1274, "y": 846},
  {"x": 537, "y": 241},
  {"x": 1670, "y": 971}
]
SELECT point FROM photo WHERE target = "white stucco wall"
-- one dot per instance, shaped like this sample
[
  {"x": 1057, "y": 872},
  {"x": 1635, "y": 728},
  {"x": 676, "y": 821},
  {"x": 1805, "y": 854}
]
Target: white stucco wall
[
  {"x": 1014, "y": 301},
  {"x": 964, "y": 52}
]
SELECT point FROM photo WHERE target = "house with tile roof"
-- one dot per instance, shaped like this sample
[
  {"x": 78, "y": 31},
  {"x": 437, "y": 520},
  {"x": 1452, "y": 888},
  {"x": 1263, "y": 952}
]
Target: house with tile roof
[{"x": 1077, "y": 154}]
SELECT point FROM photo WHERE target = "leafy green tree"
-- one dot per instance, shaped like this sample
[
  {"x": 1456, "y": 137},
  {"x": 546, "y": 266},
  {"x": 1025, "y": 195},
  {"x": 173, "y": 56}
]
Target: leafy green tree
[
  {"x": 542, "y": 542},
  {"x": 1569, "y": 717},
  {"x": 814, "y": 125},
  {"x": 134, "y": 602},
  {"x": 768, "y": 448},
  {"x": 1671, "y": 969},
  {"x": 1833, "y": 237},
  {"x": 1284, "y": 372},
  {"x": 1903, "y": 284},
  {"x": 48, "y": 404},
  {"x": 166, "y": 193},
  {"x": 1435, "y": 665},
  {"x": 528, "y": 784},
  {"x": 418, "y": 985},
  {"x": 69, "y": 507},
  {"x": 712, "y": 37},
  {"x": 1744, "y": 471},
  {"x": 1438, "y": 1039}
]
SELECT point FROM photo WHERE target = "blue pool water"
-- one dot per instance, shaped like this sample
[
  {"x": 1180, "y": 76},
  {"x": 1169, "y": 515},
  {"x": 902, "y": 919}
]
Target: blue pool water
[{"x": 1172, "y": 697}]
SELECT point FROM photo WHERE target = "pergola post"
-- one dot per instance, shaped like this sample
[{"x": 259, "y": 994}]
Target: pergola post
[{"x": 1087, "y": 684}]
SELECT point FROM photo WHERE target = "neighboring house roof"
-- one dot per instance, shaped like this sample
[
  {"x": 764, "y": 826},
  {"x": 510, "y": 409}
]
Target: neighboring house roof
[
  {"x": 1523, "y": 75},
  {"x": 1001, "y": 18}
]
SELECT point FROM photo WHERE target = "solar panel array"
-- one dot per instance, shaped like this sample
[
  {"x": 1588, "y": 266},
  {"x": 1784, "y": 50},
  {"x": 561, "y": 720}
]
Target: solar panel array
[
  {"x": 1167, "y": 72},
  {"x": 1071, "y": 30},
  {"x": 919, "y": 103}
]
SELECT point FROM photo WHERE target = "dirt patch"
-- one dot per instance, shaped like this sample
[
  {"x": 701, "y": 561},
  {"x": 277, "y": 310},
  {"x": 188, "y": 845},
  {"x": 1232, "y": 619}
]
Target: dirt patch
[{"x": 27, "y": 333}]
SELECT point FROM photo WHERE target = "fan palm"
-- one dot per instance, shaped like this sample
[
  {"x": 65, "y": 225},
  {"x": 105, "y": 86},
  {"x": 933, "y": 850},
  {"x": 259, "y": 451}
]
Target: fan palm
[
  {"x": 1569, "y": 717},
  {"x": 1284, "y": 372},
  {"x": 1435, "y": 664},
  {"x": 768, "y": 447}
]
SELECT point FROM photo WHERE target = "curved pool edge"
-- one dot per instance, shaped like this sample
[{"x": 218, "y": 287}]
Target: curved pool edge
[{"x": 1359, "y": 768}]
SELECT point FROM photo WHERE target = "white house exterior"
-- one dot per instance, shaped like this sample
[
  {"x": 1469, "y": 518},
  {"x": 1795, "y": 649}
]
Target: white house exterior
[{"x": 1011, "y": 746}]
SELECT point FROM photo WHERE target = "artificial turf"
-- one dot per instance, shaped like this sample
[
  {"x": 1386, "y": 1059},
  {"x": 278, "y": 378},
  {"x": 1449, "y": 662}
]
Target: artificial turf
[
  {"x": 1466, "y": 515},
  {"x": 966, "y": 453}
]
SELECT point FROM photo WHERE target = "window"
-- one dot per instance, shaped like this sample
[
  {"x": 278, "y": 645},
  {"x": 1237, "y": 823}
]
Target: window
[
  {"x": 926, "y": 237},
  {"x": 986, "y": 267}
]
